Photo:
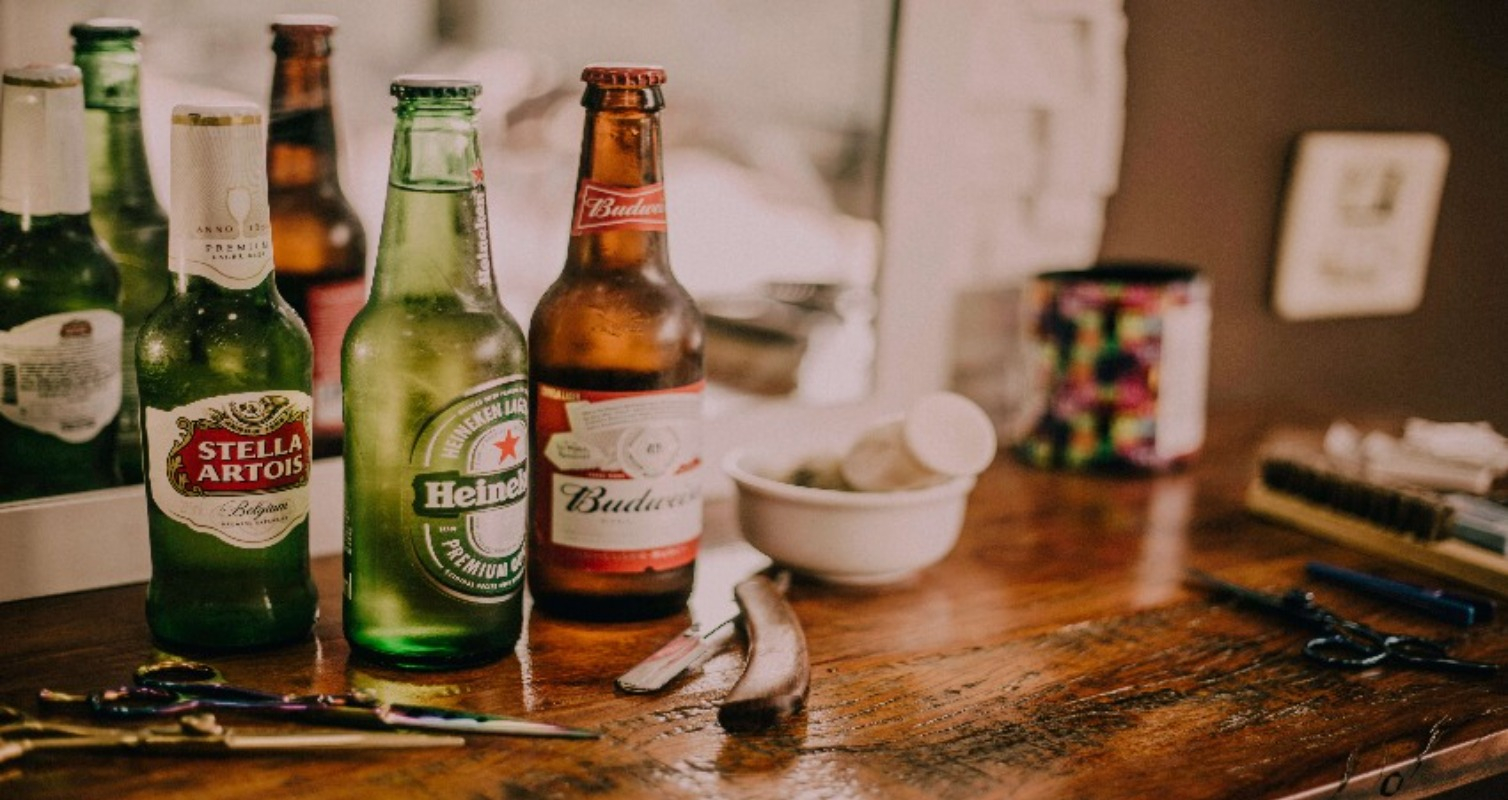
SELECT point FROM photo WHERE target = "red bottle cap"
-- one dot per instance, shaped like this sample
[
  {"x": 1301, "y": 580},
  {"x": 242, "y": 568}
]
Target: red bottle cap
[{"x": 628, "y": 76}]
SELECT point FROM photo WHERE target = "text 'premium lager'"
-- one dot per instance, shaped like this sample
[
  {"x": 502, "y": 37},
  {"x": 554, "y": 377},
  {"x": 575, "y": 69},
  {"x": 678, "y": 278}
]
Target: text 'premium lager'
[
  {"x": 124, "y": 209},
  {"x": 436, "y": 410},
  {"x": 224, "y": 370},
  {"x": 616, "y": 380},
  {"x": 60, "y": 325}
]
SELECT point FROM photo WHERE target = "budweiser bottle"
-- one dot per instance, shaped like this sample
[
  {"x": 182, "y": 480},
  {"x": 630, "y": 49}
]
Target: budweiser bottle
[
  {"x": 223, "y": 365},
  {"x": 616, "y": 380},
  {"x": 124, "y": 209},
  {"x": 318, "y": 241},
  {"x": 60, "y": 323},
  {"x": 436, "y": 404}
]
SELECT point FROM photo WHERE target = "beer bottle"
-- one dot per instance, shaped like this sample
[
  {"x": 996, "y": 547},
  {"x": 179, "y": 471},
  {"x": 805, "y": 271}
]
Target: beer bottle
[
  {"x": 60, "y": 324},
  {"x": 224, "y": 368},
  {"x": 436, "y": 409},
  {"x": 616, "y": 380},
  {"x": 124, "y": 209},
  {"x": 317, "y": 240}
]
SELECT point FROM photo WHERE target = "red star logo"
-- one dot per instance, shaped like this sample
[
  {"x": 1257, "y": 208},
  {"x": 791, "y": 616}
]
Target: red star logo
[
  {"x": 476, "y": 175},
  {"x": 507, "y": 448}
]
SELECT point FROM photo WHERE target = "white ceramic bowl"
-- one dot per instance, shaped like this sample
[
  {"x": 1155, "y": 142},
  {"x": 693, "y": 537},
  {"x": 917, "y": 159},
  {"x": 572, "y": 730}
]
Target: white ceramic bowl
[{"x": 844, "y": 537}]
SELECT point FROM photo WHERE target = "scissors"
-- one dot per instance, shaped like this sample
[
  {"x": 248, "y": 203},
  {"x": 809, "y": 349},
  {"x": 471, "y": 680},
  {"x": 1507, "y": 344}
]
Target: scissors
[
  {"x": 169, "y": 688},
  {"x": 193, "y": 733},
  {"x": 1343, "y": 642}
]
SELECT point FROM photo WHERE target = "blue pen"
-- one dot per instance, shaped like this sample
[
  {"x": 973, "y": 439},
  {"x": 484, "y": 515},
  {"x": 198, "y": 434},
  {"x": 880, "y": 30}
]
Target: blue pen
[{"x": 1457, "y": 607}]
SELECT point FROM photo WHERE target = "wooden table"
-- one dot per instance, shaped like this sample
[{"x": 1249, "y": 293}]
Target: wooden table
[{"x": 1056, "y": 653}]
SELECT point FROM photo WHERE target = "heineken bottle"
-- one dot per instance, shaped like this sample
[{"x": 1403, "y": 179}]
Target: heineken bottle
[
  {"x": 436, "y": 410},
  {"x": 224, "y": 367},
  {"x": 123, "y": 207},
  {"x": 60, "y": 324}
]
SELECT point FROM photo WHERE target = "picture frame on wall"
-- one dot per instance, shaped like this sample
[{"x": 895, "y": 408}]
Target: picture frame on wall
[{"x": 1358, "y": 223}]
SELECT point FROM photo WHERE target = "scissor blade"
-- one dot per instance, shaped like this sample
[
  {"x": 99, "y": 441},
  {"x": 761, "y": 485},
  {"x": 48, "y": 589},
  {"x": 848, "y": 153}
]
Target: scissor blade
[
  {"x": 1270, "y": 601},
  {"x": 446, "y": 719},
  {"x": 686, "y": 650},
  {"x": 333, "y": 741}
]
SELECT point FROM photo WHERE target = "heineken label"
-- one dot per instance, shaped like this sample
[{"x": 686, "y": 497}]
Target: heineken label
[
  {"x": 622, "y": 472},
  {"x": 60, "y": 374},
  {"x": 469, "y": 473},
  {"x": 234, "y": 466}
]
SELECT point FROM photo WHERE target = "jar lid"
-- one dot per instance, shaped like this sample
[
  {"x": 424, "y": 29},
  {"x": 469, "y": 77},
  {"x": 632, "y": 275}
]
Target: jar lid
[
  {"x": 407, "y": 87},
  {"x": 46, "y": 76},
  {"x": 105, "y": 28},
  {"x": 630, "y": 76},
  {"x": 327, "y": 21}
]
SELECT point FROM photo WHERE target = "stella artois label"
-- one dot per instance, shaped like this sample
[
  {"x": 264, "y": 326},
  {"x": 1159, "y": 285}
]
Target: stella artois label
[
  {"x": 60, "y": 374},
  {"x": 234, "y": 466},
  {"x": 469, "y": 470},
  {"x": 622, "y": 489},
  {"x": 601, "y": 207}
]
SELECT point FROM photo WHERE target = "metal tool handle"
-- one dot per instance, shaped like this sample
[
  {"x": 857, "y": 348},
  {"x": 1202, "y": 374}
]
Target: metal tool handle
[{"x": 777, "y": 672}]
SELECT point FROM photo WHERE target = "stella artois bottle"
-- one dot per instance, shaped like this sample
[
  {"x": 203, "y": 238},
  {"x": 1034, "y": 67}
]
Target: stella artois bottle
[
  {"x": 436, "y": 410},
  {"x": 124, "y": 208},
  {"x": 317, "y": 239},
  {"x": 60, "y": 323},
  {"x": 224, "y": 372},
  {"x": 616, "y": 380}
]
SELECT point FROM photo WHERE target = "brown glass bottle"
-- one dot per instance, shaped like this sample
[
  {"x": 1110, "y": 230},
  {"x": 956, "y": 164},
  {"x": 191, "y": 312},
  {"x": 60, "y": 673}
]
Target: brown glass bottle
[
  {"x": 615, "y": 381},
  {"x": 318, "y": 242}
]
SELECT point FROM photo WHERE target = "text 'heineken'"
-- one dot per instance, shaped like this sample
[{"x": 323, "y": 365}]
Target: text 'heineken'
[
  {"x": 616, "y": 380},
  {"x": 60, "y": 323},
  {"x": 436, "y": 410},
  {"x": 224, "y": 372}
]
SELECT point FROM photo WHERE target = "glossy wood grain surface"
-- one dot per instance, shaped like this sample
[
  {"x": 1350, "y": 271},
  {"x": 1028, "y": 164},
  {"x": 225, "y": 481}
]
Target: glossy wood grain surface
[{"x": 1056, "y": 653}]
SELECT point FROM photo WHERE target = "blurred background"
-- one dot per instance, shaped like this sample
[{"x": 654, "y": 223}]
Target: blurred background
[{"x": 858, "y": 188}]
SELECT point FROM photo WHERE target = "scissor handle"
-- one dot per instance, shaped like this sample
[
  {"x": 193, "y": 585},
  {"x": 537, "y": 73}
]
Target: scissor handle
[
  {"x": 1336, "y": 649},
  {"x": 198, "y": 680}
]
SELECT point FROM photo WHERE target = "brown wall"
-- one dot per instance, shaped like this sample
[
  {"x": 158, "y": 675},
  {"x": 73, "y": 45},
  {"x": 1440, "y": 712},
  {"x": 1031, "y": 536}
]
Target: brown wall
[{"x": 1217, "y": 92}]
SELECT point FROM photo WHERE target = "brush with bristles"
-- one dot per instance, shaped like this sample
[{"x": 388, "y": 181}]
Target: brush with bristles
[{"x": 1393, "y": 522}]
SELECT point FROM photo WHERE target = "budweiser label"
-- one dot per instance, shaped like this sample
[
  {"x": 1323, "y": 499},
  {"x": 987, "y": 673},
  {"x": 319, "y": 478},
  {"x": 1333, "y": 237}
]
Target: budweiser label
[
  {"x": 235, "y": 466},
  {"x": 332, "y": 306},
  {"x": 470, "y": 477},
  {"x": 600, "y": 207},
  {"x": 60, "y": 374},
  {"x": 220, "y": 226},
  {"x": 623, "y": 471}
]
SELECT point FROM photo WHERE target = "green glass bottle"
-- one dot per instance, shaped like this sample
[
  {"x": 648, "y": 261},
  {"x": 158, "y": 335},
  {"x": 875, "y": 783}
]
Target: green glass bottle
[
  {"x": 436, "y": 410},
  {"x": 60, "y": 323},
  {"x": 225, "y": 369},
  {"x": 123, "y": 207}
]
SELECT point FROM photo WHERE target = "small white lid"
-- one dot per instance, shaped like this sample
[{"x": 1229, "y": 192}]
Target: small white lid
[
  {"x": 306, "y": 20},
  {"x": 47, "y": 76},
  {"x": 950, "y": 434}
]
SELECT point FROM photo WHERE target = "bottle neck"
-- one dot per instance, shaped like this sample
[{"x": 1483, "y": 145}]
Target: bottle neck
[
  {"x": 301, "y": 123},
  {"x": 220, "y": 230},
  {"x": 619, "y": 218},
  {"x": 435, "y": 241},
  {"x": 43, "y": 170},
  {"x": 118, "y": 170}
]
